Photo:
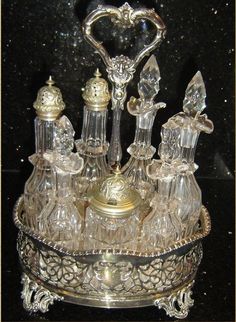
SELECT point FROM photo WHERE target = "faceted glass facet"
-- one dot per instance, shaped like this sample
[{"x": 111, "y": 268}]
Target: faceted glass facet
[
  {"x": 63, "y": 135},
  {"x": 148, "y": 86},
  {"x": 195, "y": 94}
]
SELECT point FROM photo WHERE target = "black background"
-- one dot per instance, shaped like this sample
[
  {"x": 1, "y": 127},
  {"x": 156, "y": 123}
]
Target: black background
[{"x": 44, "y": 37}]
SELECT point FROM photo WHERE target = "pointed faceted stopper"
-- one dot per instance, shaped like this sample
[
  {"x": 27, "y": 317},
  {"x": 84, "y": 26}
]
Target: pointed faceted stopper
[
  {"x": 195, "y": 94},
  {"x": 148, "y": 86}
]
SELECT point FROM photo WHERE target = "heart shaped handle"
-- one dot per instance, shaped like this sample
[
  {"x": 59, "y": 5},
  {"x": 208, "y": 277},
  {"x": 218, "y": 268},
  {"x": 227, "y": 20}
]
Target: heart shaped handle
[
  {"x": 121, "y": 68},
  {"x": 124, "y": 17}
]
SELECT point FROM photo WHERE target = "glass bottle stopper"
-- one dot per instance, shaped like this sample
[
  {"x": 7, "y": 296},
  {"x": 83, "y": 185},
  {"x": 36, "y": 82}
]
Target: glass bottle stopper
[{"x": 49, "y": 103}]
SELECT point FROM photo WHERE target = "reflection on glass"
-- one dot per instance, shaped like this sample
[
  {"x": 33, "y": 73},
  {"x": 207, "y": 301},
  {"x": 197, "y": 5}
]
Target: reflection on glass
[{"x": 144, "y": 109}]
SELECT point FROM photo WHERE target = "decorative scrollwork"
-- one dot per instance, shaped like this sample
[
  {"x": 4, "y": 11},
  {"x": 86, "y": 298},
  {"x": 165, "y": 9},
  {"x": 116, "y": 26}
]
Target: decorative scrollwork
[
  {"x": 121, "y": 68},
  {"x": 115, "y": 188},
  {"x": 177, "y": 304},
  {"x": 125, "y": 19},
  {"x": 120, "y": 72},
  {"x": 49, "y": 102},
  {"x": 116, "y": 277},
  {"x": 36, "y": 297}
]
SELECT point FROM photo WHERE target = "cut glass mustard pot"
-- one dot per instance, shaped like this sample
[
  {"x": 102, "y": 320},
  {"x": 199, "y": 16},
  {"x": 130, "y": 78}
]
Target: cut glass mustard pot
[{"x": 93, "y": 233}]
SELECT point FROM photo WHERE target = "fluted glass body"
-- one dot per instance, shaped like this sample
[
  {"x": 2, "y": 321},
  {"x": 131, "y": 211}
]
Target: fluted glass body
[
  {"x": 188, "y": 198},
  {"x": 161, "y": 227},
  {"x": 38, "y": 188},
  {"x": 93, "y": 136},
  {"x": 144, "y": 125},
  {"x": 92, "y": 147},
  {"x": 101, "y": 231},
  {"x": 60, "y": 220},
  {"x": 43, "y": 135},
  {"x": 94, "y": 168}
]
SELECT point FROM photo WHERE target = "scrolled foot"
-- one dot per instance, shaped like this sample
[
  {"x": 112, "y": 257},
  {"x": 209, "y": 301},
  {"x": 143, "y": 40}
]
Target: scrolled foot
[
  {"x": 36, "y": 297},
  {"x": 177, "y": 304}
]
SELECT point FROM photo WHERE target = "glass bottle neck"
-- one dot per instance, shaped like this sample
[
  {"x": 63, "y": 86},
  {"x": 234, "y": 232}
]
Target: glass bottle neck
[
  {"x": 43, "y": 135},
  {"x": 63, "y": 185},
  {"x": 178, "y": 144},
  {"x": 144, "y": 125},
  {"x": 143, "y": 137},
  {"x": 188, "y": 144},
  {"x": 165, "y": 190}
]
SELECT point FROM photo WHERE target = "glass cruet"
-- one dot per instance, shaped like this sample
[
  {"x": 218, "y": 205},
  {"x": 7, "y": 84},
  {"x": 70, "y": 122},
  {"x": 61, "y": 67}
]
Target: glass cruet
[
  {"x": 190, "y": 123},
  {"x": 38, "y": 188},
  {"x": 60, "y": 220},
  {"x": 93, "y": 145},
  {"x": 161, "y": 227},
  {"x": 144, "y": 109}
]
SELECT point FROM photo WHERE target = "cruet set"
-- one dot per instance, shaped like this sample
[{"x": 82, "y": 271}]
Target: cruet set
[{"x": 94, "y": 231}]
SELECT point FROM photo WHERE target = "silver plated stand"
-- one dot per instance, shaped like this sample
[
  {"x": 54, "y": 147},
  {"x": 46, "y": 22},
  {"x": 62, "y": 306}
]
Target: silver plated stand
[{"x": 109, "y": 278}]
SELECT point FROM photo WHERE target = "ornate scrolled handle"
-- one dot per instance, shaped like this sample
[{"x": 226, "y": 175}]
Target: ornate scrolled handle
[
  {"x": 120, "y": 69},
  {"x": 125, "y": 17}
]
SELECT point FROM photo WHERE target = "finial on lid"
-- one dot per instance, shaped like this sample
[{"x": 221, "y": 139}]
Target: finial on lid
[
  {"x": 49, "y": 103},
  {"x": 50, "y": 81},
  {"x": 97, "y": 73},
  {"x": 96, "y": 93},
  {"x": 116, "y": 168}
]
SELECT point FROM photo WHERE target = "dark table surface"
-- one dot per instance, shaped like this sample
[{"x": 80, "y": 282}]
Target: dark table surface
[{"x": 213, "y": 291}]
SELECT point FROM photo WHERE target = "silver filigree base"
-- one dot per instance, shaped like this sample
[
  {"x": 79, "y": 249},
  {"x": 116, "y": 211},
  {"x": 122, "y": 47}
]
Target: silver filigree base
[
  {"x": 108, "y": 278},
  {"x": 36, "y": 297},
  {"x": 183, "y": 300}
]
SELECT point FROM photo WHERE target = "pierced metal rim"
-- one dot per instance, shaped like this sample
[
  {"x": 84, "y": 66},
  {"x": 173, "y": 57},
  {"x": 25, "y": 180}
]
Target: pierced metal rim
[
  {"x": 112, "y": 301},
  {"x": 205, "y": 230}
]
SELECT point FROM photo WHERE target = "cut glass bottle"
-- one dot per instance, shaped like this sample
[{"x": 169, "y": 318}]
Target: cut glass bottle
[
  {"x": 144, "y": 109},
  {"x": 190, "y": 123},
  {"x": 177, "y": 150},
  {"x": 93, "y": 145},
  {"x": 161, "y": 228},
  {"x": 60, "y": 220},
  {"x": 38, "y": 188}
]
